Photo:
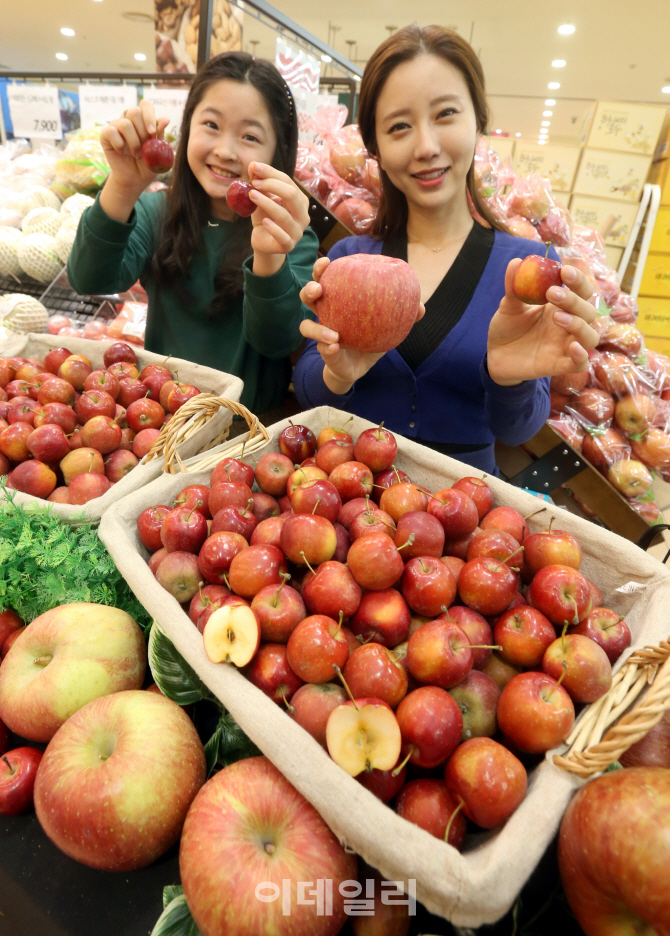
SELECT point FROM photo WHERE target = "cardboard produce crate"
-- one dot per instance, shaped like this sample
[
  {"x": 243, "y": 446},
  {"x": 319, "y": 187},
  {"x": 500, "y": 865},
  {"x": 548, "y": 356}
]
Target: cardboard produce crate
[
  {"x": 656, "y": 276},
  {"x": 606, "y": 174},
  {"x": 597, "y": 212},
  {"x": 556, "y": 163},
  {"x": 660, "y": 238},
  {"x": 623, "y": 126},
  {"x": 472, "y": 888},
  {"x": 659, "y": 174},
  {"x": 205, "y": 378}
]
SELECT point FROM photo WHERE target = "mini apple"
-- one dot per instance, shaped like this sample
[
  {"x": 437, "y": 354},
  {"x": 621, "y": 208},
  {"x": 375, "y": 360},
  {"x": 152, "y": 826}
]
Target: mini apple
[
  {"x": 385, "y": 479},
  {"x": 427, "y": 531},
  {"x": 383, "y": 617},
  {"x": 595, "y": 406},
  {"x": 145, "y": 414},
  {"x": 507, "y": 519},
  {"x": 53, "y": 359},
  {"x": 332, "y": 590},
  {"x": 9, "y": 623},
  {"x": 95, "y": 403},
  {"x": 428, "y": 804},
  {"x": 439, "y": 654},
  {"x": 352, "y": 479},
  {"x": 315, "y": 647},
  {"x": 211, "y": 596},
  {"x": 279, "y": 610},
  {"x": 351, "y": 509},
  {"x": 14, "y": 441},
  {"x": 329, "y": 433},
  {"x": 237, "y": 198},
  {"x": 75, "y": 371},
  {"x": 477, "y": 697},
  {"x": 179, "y": 574},
  {"x": 270, "y": 672},
  {"x": 184, "y": 529},
  {"x": 33, "y": 477},
  {"x": 149, "y": 525},
  {"x": 488, "y": 779},
  {"x": 456, "y": 512},
  {"x": 155, "y": 381},
  {"x": 217, "y": 553},
  {"x": 158, "y": 155},
  {"x": 195, "y": 496},
  {"x": 101, "y": 433},
  {"x": 131, "y": 389},
  {"x": 119, "y": 351},
  {"x": 603, "y": 449},
  {"x": 297, "y": 443},
  {"x": 318, "y": 497},
  {"x": 232, "y": 634},
  {"x": 57, "y": 414},
  {"x": 124, "y": 370},
  {"x": 586, "y": 668},
  {"x": 86, "y": 487},
  {"x": 267, "y": 531},
  {"x": 363, "y": 735},
  {"x": 234, "y": 519},
  {"x": 427, "y": 585},
  {"x": 376, "y": 448},
  {"x": 524, "y": 634},
  {"x": 144, "y": 441},
  {"x": 308, "y": 539},
  {"x": 233, "y": 601},
  {"x": 384, "y": 784},
  {"x": 476, "y": 628},
  {"x": 228, "y": 493},
  {"x": 374, "y": 520},
  {"x": 561, "y": 593},
  {"x": 431, "y": 725},
  {"x": 232, "y": 469},
  {"x": 653, "y": 750},
  {"x": 534, "y": 276},
  {"x": 102, "y": 380},
  {"x": 479, "y": 491},
  {"x": 333, "y": 453},
  {"x": 22, "y": 411},
  {"x": 375, "y": 562},
  {"x": 312, "y": 704},
  {"x": 551, "y": 547},
  {"x": 535, "y": 712},
  {"x": 487, "y": 585},
  {"x": 608, "y": 630},
  {"x": 254, "y": 568},
  {"x": 48, "y": 443},
  {"x": 18, "y": 770},
  {"x": 373, "y": 671},
  {"x": 179, "y": 395},
  {"x": 272, "y": 472}
]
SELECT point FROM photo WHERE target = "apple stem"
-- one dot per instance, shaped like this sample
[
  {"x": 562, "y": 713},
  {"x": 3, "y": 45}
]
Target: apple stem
[
  {"x": 551, "y": 522},
  {"x": 559, "y": 681},
  {"x": 424, "y": 568},
  {"x": 401, "y": 765},
  {"x": 397, "y": 474},
  {"x": 339, "y": 625},
  {"x": 166, "y": 360},
  {"x": 535, "y": 513},
  {"x": 484, "y": 647},
  {"x": 445, "y": 610},
  {"x": 306, "y": 561},
  {"x": 43, "y": 660},
  {"x": 284, "y": 579},
  {"x": 409, "y": 542},
  {"x": 318, "y": 501},
  {"x": 575, "y": 619},
  {"x": 503, "y": 561},
  {"x": 344, "y": 683},
  {"x": 613, "y": 624},
  {"x": 225, "y": 579},
  {"x": 12, "y": 770},
  {"x": 452, "y": 817},
  {"x": 289, "y": 708},
  {"x": 565, "y": 627}
]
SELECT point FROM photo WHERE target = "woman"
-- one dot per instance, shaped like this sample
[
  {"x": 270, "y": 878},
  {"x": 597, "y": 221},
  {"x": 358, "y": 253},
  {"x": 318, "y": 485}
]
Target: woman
[
  {"x": 475, "y": 367},
  {"x": 223, "y": 290}
]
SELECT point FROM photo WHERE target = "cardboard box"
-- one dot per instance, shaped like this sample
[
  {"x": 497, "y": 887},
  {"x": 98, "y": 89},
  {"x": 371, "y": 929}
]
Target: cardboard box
[
  {"x": 656, "y": 276},
  {"x": 660, "y": 239},
  {"x": 596, "y": 212},
  {"x": 614, "y": 255},
  {"x": 659, "y": 174},
  {"x": 624, "y": 127},
  {"x": 662, "y": 150},
  {"x": 653, "y": 319},
  {"x": 504, "y": 146},
  {"x": 556, "y": 163},
  {"x": 605, "y": 174}
]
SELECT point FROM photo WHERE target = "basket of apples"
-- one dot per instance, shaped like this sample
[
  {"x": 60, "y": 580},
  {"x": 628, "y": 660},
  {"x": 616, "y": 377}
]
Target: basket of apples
[
  {"x": 409, "y": 645},
  {"x": 82, "y": 423}
]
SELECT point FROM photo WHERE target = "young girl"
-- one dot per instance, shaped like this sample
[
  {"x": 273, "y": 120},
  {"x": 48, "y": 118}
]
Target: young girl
[
  {"x": 223, "y": 290},
  {"x": 474, "y": 368}
]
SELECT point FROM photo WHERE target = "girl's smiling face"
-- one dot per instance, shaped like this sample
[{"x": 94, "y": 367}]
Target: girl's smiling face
[
  {"x": 230, "y": 128},
  {"x": 426, "y": 132}
]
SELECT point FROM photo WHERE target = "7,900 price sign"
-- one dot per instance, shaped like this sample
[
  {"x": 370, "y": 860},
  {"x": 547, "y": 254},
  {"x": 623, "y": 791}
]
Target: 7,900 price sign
[{"x": 35, "y": 111}]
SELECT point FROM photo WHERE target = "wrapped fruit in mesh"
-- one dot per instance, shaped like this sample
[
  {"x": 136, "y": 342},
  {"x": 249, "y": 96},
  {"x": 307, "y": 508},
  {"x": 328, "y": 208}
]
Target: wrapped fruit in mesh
[
  {"x": 74, "y": 206},
  {"x": 10, "y": 238},
  {"x": 10, "y": 217},
  {"x": 42, "y": 221},
  {"x": 23, "y": 314},
  {"x": 38, "y": 257},
  {"x": 65, "y": 239},
  {"x": 38, "y": 197}
]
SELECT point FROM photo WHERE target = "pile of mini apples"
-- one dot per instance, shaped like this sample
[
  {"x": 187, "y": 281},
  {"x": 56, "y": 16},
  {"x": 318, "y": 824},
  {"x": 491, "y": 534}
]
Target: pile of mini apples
[
  {"x": 69, "y": 432},
  {"x": 462, "y": 641}
]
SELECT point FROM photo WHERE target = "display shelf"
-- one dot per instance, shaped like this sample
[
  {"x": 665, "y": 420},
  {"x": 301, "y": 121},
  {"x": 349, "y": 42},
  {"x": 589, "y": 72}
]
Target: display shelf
[{"x": 60, "y": 299}]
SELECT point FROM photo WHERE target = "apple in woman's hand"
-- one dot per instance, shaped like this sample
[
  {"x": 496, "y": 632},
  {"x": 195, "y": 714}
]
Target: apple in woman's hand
[{"x": 534, "y": 276}]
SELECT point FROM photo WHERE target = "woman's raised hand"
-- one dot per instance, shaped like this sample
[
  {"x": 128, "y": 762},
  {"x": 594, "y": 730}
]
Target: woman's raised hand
[
  {"x": 122, "y": 141},
  {"x": 342, "y": 366},
  {"x": 527, "y": 342}
]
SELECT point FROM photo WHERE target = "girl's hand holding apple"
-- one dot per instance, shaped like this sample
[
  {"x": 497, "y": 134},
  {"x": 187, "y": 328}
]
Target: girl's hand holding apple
[
  {"x": 529, "y": 342},
  {"x": 280, "y": 218}
]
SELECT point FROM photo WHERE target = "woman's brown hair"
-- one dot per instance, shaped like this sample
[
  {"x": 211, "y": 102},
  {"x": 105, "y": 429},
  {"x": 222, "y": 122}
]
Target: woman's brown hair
[{"x": 403, "y": 46}]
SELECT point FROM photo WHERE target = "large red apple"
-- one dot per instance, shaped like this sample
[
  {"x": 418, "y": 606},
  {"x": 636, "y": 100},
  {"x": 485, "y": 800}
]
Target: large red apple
[
  {"x": 370, "y": 300},
  {"x": 116, "y": 781},
  {"x": 614, "y": 853}
]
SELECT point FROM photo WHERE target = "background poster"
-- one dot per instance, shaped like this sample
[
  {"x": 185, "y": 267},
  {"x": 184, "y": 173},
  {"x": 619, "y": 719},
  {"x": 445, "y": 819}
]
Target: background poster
[{"x": 177, "y": 24}]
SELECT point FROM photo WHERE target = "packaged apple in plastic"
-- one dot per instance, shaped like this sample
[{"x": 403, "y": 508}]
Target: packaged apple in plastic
[
  {"x": 556, "y": 227},
  {"x": 568, "y": 427},
  {"x": 130, "y": 324},
  {"x": 530, "y": 197},
  {"x": 625, "y": 309},
  {"x": 604, "y": 447},
  {"x": 521, "y": 227},
  {"x": 347, "y": 154},
  {"x": 354, "y": 208}
]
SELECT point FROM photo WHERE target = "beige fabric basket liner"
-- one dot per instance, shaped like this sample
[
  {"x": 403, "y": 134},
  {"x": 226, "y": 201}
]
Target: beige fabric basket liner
[
  {"x": 469, "y": 889},
  {"x": 205, "y": 379}
]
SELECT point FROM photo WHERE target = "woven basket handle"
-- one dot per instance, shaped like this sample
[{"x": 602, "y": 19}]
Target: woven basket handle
[
  {"x": 190, "y": 417},
  {"x": 590, "y": 752}
]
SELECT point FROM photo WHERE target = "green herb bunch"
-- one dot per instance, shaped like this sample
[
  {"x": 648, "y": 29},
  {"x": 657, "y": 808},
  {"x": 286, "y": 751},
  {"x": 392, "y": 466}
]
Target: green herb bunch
[{"x": 45, "y": 563}]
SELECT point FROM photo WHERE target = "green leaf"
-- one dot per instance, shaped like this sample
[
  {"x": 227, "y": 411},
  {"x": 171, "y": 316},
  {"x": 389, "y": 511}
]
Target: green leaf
[
  {"x": 615, "y": 765},
  {"x": 212, "y": 751},
  {"x": 171, "y": 673},
  {"x": 176, "y": 920},
  {"x": 170, "y": 892},
  {"x": 228, "y": 744}
]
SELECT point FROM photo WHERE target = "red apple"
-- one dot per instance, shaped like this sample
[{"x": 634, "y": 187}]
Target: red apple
[
  {"x": 102, "y": 380},
  {"x": 489, "y": 780},
  {"x": 523, "y": 633},
  {"x": 507, "y": 519},
  {"x": 551, "y": 547},
  {"x": 179, "y": 395},
  {"x": 228, "y": 493},
  {"x": 54, "y": 359},
  {"x": 144, "y": 441},
  {"x": 318, "y": 497},
  {"x": 9, "y": 622},
  {"x": 297, "y": 443},
  {"x": 86, "y": 487},
  {"x": 211, "y": 596},
  {"x": 158, "y": 155},
  {"x": 456, "y": 512},
  {"x": 95, "y": 403},
  {"x": 385, "y": 479},
  {"x": 75, "y": 371},
  {"x": 376, "y": 448},
  {"x": 179, "y": 575},
  {"x": 561, "y": 593},
  {"x": 60, "y": 495},
  {"x": 477, "y": 697},
  {"x": 18, "y": 770},
  {"x": 535, "y": 712},
  {"x": 603, "y": 449},
  {"x": 476, "y": 628},
  {"x": 272, "y": 472},
  {"x": 119, "y": 351},
  {"x": 384, "y": 784},
  {"x": 332, "y": 590},
  {"x": 352, "y": 479},
  {"x": 374, "y": 561},
  {"x": 145, "y": 414},
  {"x": 48, "y": 443},
  {"x": 533, "y": 277},
  {"x": 232, "y": 469},
  {"x": 270, "y": 672},
  {"x": 479, "y": 491},
  {"x": 439, "y": 654},
  {"x": 130, "y": 390},
  {"x": 428, "y": 804},
  {"x": 487, "y": 585},
  {"x": 427, "y": 531},
  {"x": 351, "y": 509},
  {"x": 267, "y": 531},
  {"x": 279, "y": 610},
  {"x": 315, "y": 646},
  {"x": 653, "y": 750},
  {"x": 308, "y": 539},
  {"x": 431, "y": 725},
  {"x": 14, "y": 441},
  {"x": 333, "y": 453},
  {"x": 33, "y": 477},
  {"x": 311, "y": 707},
  {"x": 217, "y": 553},
  {"x": 22, "y": 411},
  {"x": 124, "y": 370},
  {"x": 338, "y": 433},
  {"x": 57, "y": 414},
  {"x": 373, "y": 671},
  {"x": 382, "y": 616},
  {"x": 609, "y": 631},
  {"x": 237, "y": 198},
  {"x": 254, "y": 568},
  {"x": 184, "y": 529},
  {"x": 234, "y": 519},
  {"x": 195, "y": 496},
  {"x": 427, "y": 585},
  {"x": 587, "y": 669},
  {"x": 101, "y": 433},
  {"x": 149, "y": 525}
]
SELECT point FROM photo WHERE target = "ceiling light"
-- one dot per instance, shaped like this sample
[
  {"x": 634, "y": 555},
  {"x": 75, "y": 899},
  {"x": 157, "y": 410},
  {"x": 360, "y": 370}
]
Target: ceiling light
[
  {"x": 140, "y": 57},
  {"x": 65, "y": 31},
  {"x": 517, "y": 134},
  {"x": 553, "y": 86},
  {"x": 498, "y": 131},
  {"x": 326, "y": 59},
  {"x": 61, "y": 56},
  {"x": 566, "y": 30},
  {"x": 547, "y": 113},
  {"x": 558, "y": 63},
  {"x": 666, "y": 90},
  {"x": 549, "y": 102},
  {"x": 541, "y": 142},
  {"x": 546, "y": 123}
]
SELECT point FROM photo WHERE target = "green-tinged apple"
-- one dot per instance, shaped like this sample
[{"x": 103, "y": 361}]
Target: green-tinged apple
[
  {"x": 117, "y": 779},
  {"x": 534, "y": 276},
  {"x": 247, "y": 833},
  {"x": 65, "y": 658},
  {"x": 477, "y": 697},
  {"x": 499, "y": 670},
  {"x": 614, "y": 853},
  {"x": 371, "y": 301}
]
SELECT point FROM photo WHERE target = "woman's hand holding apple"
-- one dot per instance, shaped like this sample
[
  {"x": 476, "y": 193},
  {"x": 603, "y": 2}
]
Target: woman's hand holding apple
[
  {"x": 528, "y": 342},
  {"x": 342, "y": 366}
]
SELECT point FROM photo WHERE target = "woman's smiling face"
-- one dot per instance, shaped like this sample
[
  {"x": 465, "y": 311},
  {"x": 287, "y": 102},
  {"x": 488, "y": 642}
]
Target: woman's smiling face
[
  {"x": 230, "y": 128},
  {"x": 426, "y": 131}
]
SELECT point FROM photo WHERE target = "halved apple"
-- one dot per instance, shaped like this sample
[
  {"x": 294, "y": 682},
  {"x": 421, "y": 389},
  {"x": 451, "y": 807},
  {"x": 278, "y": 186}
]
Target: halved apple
[
  {"x": 232, "y": 635},
  {"x": 363, "y": 736}
]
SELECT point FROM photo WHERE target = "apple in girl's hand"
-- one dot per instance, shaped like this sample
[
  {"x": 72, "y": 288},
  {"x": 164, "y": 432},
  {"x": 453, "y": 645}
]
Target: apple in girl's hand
[
  {"x": 270, "y": 672},
  {"x": 383, "y": 783},
  {"x": 524, "y": 634},
  {"x": 431, "y": 725},
  {"x": 376, "y": 448},
  {"x": 18, "y": 769},
  {"x": 479, "y": 491},
  {"x": 363, "y": 735},
  {"x": 588, "y": 671},
  {"x": 476, "y": 628},
  {"x": 315, "y": 646},
  {"x": 534, "y": 276},
  {"x": 428, "y": 804},
  {"x": 561, "y": 593},
  {"x": 237, "y": 198},
  {"x": 382, "y": 616},
  {"x": 279, "y": 609},
  {"x": 232, "y": 635},
  {"x": 608, "y": 630},
  {"x": 489, "y": 780},
  {"x": 372, "y": 670},
  {"x": 331, "y": 590},
  {"x": 535, "y": 713},
  {"x": 311, "y": 707},
  {"x": 254, "y": 568},
  {"x": 477, "y": 697},
  {"x": 211, "y": 596},
  {"x": 297, "y": 442},
  {"x": 439, "y": 653},
  {"x": 371, "y": 300},
  {"x": 158, "y": 155}
]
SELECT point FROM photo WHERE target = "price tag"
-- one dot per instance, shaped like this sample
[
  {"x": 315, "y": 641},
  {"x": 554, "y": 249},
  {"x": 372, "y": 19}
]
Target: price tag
[
  {"x": 168, "y": 102},
  {"x": 98, "y": 104},
  {"x": 35, "y": 111}
]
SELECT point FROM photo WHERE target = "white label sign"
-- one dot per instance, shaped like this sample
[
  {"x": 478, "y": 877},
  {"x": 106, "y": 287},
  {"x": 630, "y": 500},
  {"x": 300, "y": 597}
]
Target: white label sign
[
  {"x": 99, "y": 104},
  {"x": 35, "y": 111},
  {"x": 168, "y": 102}
]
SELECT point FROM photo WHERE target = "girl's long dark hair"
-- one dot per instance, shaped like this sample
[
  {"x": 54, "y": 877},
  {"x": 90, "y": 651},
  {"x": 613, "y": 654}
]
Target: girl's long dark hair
[
  {"x": 188, "y": 206},
  {"x": 403, "y": 46}
]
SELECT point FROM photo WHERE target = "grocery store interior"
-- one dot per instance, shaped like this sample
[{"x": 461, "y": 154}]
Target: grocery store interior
[{"x": 576, "y": 157}]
